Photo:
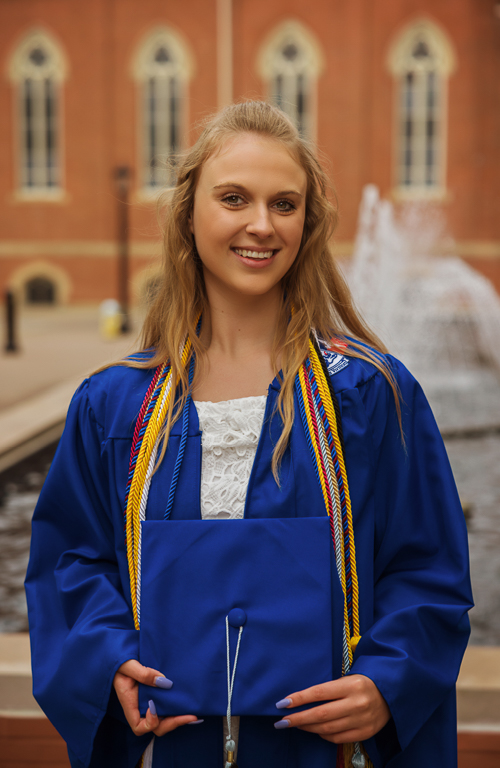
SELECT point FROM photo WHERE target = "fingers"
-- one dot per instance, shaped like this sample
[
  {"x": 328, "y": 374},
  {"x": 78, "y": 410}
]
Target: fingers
[
  {"x": 355, "y": 711},
  {"x": 333, "y": 689},
  {"x": 151, "y": 723},
  {"x": 162, "y": 725},
  {"x": 317, "y": 716},
  {"x": 341, "y": 730},
  {"x": 167, "y": 724},
  {"x": 126, "y": 681},
  {"x": 145, "y": 675}
]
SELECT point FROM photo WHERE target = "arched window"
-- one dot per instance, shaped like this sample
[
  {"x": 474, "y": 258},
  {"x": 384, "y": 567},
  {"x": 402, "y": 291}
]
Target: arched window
[
  {"x": 162, "y": 68},
  {"x": 37, "y": 69},
  {"x": 421, "y": 61},
  {"x": 40, "y": 290},
  {"x": 289, "y": 63}
]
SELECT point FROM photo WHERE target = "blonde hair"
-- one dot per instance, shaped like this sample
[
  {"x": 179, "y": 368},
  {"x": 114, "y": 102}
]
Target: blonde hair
[{"x": 315, "y": 294}]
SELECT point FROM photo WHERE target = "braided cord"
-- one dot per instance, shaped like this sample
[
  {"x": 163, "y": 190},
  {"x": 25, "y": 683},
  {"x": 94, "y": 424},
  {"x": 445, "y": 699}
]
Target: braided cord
[
  {"x": 319, "y": 417},
  {"x": 182, "y": 446},
  {"x": 140, "y": 471},
  {"x": 335, "y": 522},
  {"x": 352, "y": 587},
  {"x": 141, "y": 423},
  {"x": 310, "y": 428}
]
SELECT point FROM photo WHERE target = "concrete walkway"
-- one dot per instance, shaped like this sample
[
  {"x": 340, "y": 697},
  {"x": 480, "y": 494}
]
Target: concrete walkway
[{"x": 58, "y": 347}]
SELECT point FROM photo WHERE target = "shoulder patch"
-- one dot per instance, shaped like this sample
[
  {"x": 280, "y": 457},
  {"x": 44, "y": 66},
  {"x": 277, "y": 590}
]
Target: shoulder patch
[{"x": 335, "y": 362}]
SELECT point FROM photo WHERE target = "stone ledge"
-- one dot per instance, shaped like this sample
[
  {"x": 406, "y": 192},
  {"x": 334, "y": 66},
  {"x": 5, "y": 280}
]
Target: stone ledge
[
  {"x": 34, "y": 424},
  {"x": 478, "y": 689},
  {"x": 16, "y": 698}
]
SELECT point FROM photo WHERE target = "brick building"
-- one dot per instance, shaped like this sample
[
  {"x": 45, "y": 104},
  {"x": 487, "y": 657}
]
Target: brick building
[{"x": 401, "y": 93}]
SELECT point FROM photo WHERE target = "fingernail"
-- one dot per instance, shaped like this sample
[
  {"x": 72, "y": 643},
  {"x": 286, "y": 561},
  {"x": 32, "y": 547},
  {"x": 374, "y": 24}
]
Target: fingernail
[
  {"x": 163, "y": 682},
  {"x": 152, "y": 707},
  {"x": 283, "y": 703},
  {"x": 196, "y": 722},
  {"x": 282, "y": 724}
]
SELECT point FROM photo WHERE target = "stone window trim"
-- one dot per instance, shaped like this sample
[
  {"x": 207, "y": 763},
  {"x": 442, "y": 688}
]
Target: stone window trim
[
  {"x": 36, "y": 269},
  {"x": 290, "y": 62},
  {"x": 421, "y": 59},
  {"x": 162, "y": 68},
  {"x": 37, "y": 70}
]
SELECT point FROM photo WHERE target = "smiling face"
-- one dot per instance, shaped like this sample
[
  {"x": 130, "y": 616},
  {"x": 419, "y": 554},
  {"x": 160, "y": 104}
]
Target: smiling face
[{"x": 248, "y": 216}]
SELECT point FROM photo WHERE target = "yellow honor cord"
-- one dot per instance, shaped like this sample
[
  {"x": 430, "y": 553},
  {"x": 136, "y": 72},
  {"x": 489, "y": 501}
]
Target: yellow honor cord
[{"x": 149, "y": 441}]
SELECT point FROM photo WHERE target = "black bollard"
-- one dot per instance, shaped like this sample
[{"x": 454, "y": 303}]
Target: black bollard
[{"x": 10, "y": 318}]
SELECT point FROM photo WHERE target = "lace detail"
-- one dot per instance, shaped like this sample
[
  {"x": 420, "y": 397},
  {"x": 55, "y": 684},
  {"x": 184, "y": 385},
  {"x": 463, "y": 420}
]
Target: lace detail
[{"x": 231, "y": 431}]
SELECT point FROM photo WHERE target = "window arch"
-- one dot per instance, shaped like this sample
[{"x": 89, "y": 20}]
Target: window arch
[
  {"x": 37, "y": 69},
  {"x": 290, "y": 63},
  {"x": 421, "y": 61},
  {"x": 41, "y": 282},
  {"x": 162, "y": 69}
]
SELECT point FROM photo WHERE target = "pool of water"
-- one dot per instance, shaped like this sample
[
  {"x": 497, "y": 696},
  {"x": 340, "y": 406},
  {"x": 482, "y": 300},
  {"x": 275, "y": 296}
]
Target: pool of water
[{"x": 476, "y": 465}]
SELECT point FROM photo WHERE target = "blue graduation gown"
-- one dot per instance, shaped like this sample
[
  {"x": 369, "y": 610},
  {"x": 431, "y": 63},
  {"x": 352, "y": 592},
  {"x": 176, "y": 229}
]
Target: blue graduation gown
[{"x": 411, "y": 553}]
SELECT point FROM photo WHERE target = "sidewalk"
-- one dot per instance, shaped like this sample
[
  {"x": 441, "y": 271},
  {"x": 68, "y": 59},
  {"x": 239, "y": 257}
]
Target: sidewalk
[{"x": 58, "y": 347}]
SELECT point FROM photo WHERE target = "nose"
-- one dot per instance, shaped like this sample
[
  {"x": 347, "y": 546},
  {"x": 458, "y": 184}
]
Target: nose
[{"x": 260, "y": 223}]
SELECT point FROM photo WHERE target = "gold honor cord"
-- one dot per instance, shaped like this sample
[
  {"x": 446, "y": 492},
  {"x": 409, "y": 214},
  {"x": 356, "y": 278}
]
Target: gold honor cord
[{"x": 137, "y": 486}]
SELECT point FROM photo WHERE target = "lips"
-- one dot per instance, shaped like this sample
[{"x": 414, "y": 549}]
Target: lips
[{"x": 258, "y": 255}]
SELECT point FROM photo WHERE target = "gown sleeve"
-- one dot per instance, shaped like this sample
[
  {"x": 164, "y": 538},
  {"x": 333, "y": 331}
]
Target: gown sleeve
[
  {"x": 80, "y": 622},
  {"x": 422, "y": 593}
]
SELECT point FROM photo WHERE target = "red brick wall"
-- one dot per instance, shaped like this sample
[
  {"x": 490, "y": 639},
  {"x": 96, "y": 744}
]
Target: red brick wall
[
  {"x": 29, "y": 742},
  {"x": 355, "y": 123},
  {"x": 478, "y": 750},
  {"x": 34, "y": 742}
]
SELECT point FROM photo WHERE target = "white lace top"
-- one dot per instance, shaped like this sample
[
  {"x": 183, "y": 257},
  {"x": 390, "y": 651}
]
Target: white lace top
[{"x": 230, "y": 434}]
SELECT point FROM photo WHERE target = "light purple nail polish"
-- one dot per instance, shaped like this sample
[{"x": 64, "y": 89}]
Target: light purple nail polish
[
  {"x": 152, "y": 707},
  {"x": 196, "y": 722},
  {"x": 282, "y": 703},
  {"x": 281, "y": 724},
  {"x": 163, "y": 682}
]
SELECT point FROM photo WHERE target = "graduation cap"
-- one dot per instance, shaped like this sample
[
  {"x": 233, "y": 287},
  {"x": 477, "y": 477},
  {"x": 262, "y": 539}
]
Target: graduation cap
[{"x": 270, "y": 584}]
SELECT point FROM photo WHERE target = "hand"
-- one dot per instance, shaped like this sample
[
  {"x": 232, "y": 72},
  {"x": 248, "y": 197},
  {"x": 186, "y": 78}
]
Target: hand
[
  {"x": 356, "y": 710},
  {"x": 126, "y": 683}
]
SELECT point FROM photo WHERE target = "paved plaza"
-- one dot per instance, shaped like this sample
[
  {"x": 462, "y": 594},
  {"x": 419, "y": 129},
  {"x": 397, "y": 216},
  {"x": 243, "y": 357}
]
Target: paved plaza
[{"x": 57, "y": 344}]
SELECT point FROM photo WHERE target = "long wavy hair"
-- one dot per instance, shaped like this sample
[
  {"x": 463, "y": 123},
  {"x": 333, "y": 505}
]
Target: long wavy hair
[{"x": 315, "y": 296}]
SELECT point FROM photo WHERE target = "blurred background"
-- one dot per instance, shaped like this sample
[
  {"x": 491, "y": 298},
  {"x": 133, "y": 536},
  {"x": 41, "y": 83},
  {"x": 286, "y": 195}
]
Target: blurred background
[{"x": 402, "y": 98}]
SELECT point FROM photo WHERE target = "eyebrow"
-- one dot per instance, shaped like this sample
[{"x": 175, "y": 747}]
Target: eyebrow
[{"x": 234, "y": 184}]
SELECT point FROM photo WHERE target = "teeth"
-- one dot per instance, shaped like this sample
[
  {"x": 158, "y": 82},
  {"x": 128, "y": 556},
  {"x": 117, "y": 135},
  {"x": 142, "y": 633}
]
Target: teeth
[{"x": 253, "y": 254}]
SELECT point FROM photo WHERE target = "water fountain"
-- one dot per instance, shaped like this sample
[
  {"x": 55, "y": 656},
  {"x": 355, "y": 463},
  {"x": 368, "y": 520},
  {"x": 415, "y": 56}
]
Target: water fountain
[
  {"x": 442, "y": 319},
  {"x": 434, "y": 312}
]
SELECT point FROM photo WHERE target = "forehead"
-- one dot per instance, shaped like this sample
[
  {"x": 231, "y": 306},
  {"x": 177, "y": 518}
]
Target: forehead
[{"x": 249, "y": 159}]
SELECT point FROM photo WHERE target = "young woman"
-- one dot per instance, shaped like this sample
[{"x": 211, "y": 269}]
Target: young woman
[{"x": 260, "y": 394}]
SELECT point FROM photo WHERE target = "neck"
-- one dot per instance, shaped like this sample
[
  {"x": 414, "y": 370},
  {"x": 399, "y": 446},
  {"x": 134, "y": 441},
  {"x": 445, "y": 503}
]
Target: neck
[{"x": 237, "y": 325}]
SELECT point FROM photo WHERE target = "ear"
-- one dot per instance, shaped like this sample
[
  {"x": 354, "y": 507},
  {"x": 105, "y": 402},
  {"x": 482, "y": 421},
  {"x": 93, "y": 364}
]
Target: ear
[{"x": 190, "y": 222}]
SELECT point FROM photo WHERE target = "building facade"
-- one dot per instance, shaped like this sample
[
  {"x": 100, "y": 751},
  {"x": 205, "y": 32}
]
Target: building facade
[{"x": 403, "y": 94}]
